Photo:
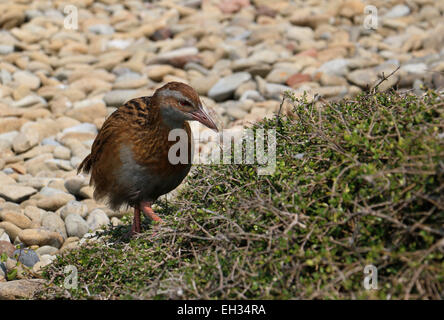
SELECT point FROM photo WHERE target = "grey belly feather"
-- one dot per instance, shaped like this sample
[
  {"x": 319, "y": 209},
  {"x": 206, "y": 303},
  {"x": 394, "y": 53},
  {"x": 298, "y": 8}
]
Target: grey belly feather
[{"x": 136, "y": 183}]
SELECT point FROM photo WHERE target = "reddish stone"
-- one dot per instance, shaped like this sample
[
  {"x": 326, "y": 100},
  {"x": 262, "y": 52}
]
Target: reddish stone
[
  {"x": 291, "y": 46},
  {"x": 310, "y": 52},
  {"x": 297, "y": 79},
  {"x": 180, "y": 62},
  {"x": 232, "y": 6},
  {"x": 161, "y": 34},
  {"x": 6, "y": 247}
]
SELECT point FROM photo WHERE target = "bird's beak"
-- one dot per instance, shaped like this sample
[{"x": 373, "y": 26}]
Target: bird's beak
[{"x": 203, "y": 117}]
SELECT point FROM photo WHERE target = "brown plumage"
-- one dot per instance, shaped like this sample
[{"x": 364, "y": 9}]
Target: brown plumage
[{"x": 129, "y": 161}]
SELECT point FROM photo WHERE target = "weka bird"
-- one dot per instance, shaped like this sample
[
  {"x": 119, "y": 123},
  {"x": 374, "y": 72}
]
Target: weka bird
[{"x": 129, "y": 162}]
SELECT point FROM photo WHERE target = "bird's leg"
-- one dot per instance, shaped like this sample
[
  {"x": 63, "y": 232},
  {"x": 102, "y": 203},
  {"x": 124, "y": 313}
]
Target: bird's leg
[
  {"x": 135, "y": 228},
  {"x": 148, "y": 211}
]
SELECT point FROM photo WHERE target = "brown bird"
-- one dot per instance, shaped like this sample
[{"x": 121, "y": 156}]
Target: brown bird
[{"x": 129, "y": 161}]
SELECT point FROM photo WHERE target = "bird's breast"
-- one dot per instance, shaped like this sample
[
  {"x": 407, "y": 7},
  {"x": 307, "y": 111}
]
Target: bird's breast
[{"x": 152, "y": 165}]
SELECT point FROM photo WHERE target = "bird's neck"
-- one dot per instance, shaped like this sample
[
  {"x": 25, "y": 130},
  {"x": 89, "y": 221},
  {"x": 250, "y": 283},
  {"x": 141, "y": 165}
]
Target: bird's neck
[{"x": 172, "y": 118}]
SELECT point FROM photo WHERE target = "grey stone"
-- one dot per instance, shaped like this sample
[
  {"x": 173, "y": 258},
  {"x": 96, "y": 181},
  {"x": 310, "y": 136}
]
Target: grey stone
[
  {"x": 4, "y": 236},
  {"x": 52, "y": 222},
  {"x": 104, "y": 29},
  {"x": 363, "y": 77},
  {"x": 415, "y": 68},
  {"x": 5, "y": 76},
  {"x": 48, "y": 191},
  {"x": 398, "y": 11},
  {"x": 74, "y": 184},
  {"x": 26, "y": 256},
  {"x": 6, "y": 48},
  {"x": 76, "y": 226},
  {"x": 74, "y": 207},
  {"x": 337, "y": 67},
  {"x": 50, "y": 142},
  {"x": 226, "y": 86},
  {"x": 251, "y": 95},
  {"x": 82, "y": 128},
  {"x": 96, "y": 219}
]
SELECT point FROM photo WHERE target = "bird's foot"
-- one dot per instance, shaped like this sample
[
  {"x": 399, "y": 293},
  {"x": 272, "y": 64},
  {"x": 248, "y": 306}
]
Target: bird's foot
[{"x": 149, "y": 212}]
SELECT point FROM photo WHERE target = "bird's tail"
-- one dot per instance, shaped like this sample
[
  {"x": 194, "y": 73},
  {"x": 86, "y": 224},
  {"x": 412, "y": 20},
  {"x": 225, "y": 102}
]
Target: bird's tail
[{"x": 85, "y": 166}]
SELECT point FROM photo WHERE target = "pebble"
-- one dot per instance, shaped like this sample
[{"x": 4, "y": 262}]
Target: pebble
[
  {"x": 27, "y": 78},
  {"x": 11, "y": 229},
  {"x": 25, "y": 141},
  {"x": 26, "y": 256},
  {"x": 416, "y": 68},
  {"x": 17, "y": 218},
  {"x": 76, "y": 226},
  {"x": 5, "y": 179},
  {"x": 337, "y": 67},
  {"x": 251, "y": 95},
  {"x": 16, "y": 193},
  {"x": 82, "y": 128},
  {"x": 29, "y": 101},
  {"x": 203, "y": 84},
  {"x": 45, "y": 260},
  {"x": 61, "y": 152},
  {"x": 177, "y": 54},
  {"x": 297, "y": 79},
  {"x": 226, "y": 86},
  {"x": 86, "y": 192},
  {"x": 398, "y": 11},
  {"x": 74, "y": 184},
  {"x": 279, "y": 75},
  {"x": 35, "y": 214},
  {"x": 74, "y": 207},
  {"x": 41, "y": 237},
  {"x": 69, "y": 246},
  {"x": 20, "y": 289},
  {"x": 6, "y": 49},
  {"x": 46, "y": 250},
  {"x": 4, "y": 236},
  {"x": 96, "y": 219},
  {"x": 6, "y": 247},
  {"x": 363, "y": 78},
  {"x": 102, "y": 29},
  {"x": 52, "y": 222},
  {"x": 117, "y": 98}
]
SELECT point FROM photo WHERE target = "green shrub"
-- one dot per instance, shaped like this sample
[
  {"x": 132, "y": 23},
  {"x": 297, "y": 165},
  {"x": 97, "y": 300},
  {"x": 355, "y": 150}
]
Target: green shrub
[{"x": 357, "y": 182}]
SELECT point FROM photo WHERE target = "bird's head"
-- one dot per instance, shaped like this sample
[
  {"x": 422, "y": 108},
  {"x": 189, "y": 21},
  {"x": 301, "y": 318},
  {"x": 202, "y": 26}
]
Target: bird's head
[{"x": 179, "y": 102}]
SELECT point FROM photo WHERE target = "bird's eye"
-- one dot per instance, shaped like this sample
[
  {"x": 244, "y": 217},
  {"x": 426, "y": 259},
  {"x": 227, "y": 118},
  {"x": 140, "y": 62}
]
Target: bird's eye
[{"x": 185, "y": 103}]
